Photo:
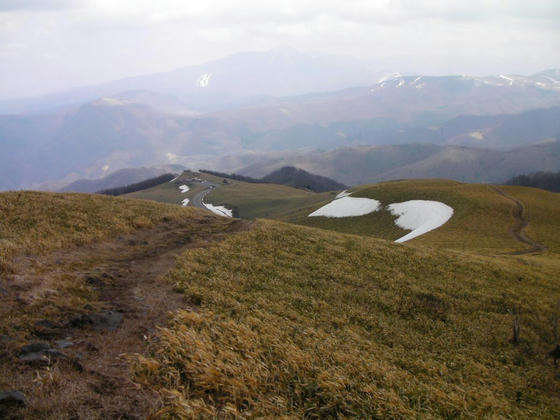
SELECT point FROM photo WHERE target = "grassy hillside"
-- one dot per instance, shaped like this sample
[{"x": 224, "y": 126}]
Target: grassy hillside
[
  {"x": 299, "y": 322},
  {"x": 542, "y": 210},
  {"x": 285, "y": 320},
  {"x": 85, "y": 269},
  {"x": 169, "y": 192},
  {"x": 264, "y": 200},
  {"x": 250, "y": 200},
  {"x": 481, "y": 221},
  {"x": 37, "y": 222}
]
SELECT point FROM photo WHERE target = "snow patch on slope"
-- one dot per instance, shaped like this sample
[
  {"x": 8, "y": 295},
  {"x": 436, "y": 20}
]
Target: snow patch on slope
[
  {"x": 184, "y": 188},
  {"x": 219, "y": 210},
  {"x": 509, "y": 79},
  {"x": 342, "y": 194},
  {"x": 204, "y": 80},
  {"x": 420, "y": 216},
  {"x": 185, "y": 202},
  {"x": 347, "y": 207}
]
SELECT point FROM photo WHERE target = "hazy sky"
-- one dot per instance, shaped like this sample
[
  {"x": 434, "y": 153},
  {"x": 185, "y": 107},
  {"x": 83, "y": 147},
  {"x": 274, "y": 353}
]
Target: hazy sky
[{"x": 48, "y": 45}]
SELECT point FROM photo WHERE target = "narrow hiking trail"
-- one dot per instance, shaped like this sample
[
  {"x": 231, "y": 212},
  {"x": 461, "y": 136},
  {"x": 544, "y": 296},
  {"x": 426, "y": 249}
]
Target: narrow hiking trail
[
  {"x": 91, "y": 379},
  {"x": 520, "y": 223}
]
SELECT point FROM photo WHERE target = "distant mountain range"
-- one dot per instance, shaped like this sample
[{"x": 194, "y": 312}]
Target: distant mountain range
[
  {"x": 162, "y": 119},
  {"x": 366, "y": 164},
  {"x": 240, "y": 79}
]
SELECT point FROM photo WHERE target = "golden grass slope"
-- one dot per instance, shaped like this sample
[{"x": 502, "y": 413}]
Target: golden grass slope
[
  {"x": 300, "y": 322},
  {"x": 37, "y": 222}
]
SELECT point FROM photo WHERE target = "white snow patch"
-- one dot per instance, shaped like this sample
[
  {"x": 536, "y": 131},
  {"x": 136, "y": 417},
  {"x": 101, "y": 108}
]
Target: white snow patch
[
  {"x": 415, "y": 80},
  {"x": 509, "y": 79},
  {"x": 219, "y": 210},
  {"x": 184, "y": 188},
  {"x": 342, "y": 194},
  {"x": 105, "y": 168},
  {"x": 185, "y": 202},
  {"x": 400, "y": 83},
  {"x": 112, "y": 101},
  {"x": 420, "y": 216},
  {"x": 347, "y": 207},
  {"x": 477, "y": 135},
  {"x": 175, "y": 178},
  {"x": 204, "y": 80}
]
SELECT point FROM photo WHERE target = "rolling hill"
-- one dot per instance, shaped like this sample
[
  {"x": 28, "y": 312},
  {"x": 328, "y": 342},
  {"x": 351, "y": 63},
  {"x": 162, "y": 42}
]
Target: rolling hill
[
  {"x": 482, "y": 221},
  {"x": 274, "y": 319},
  {"x": 482, "y": 218}
]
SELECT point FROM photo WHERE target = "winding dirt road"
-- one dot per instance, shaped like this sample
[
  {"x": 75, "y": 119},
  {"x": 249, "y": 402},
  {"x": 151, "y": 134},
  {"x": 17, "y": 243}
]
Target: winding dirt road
[{"x": 198, "y": 199}]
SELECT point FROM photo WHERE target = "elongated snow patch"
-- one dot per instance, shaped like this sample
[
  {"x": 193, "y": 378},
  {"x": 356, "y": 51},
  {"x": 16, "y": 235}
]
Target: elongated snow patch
[
  {"x": 343, "y": 194},
  {"x": 420, "y": 216},
  {"x": 347, "y": 207},
  {"x": 184, "y": 188},
  {"x": 185, "y": 202},
  {"x": 219, "y": 210}
]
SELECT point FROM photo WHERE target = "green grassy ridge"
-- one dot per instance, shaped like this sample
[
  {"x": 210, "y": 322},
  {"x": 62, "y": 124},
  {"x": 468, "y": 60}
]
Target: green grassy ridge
[
  {"x": 169, "y": 192},
  {"x": 481, "y": 221},
  {"x": 250, "y": 200},
  {"x": 481, "y": 218},
  {"x": 264, "y": 200},
  {"x": 302, "y": 322}
]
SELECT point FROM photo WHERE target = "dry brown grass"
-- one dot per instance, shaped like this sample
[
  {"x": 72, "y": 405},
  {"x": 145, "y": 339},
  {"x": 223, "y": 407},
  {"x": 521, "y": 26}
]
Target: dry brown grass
[
  {"x": 36, "y": 222},
  {"x": 300, "y": 322},
  {"x": 59, "y": 242}
]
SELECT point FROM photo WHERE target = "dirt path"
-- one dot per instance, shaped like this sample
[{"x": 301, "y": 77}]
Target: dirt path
[
  {"x": 93, "y": 380},
  {"x": 517, "y": 230}
]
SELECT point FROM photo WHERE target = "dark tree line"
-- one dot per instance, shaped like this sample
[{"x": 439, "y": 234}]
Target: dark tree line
[
  {"x": 545, "y": 180},
  {"x": 299, "y": 178},
  {"x": 235, "y": 177},
  {"x": 288, "y": 175},
  {"x": 142, "y": 185}
]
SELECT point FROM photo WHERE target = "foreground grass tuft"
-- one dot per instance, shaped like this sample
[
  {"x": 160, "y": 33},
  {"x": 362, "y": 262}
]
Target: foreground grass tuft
[{"x": 300, "y": 322}]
